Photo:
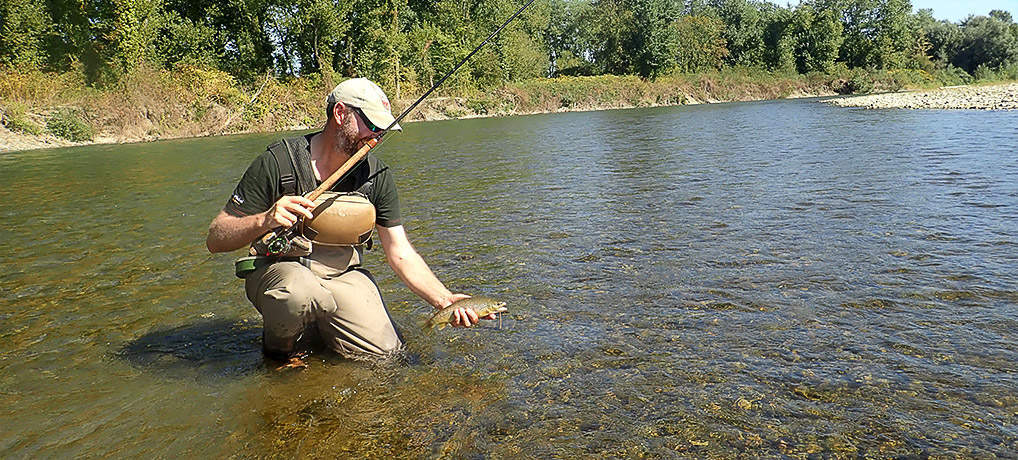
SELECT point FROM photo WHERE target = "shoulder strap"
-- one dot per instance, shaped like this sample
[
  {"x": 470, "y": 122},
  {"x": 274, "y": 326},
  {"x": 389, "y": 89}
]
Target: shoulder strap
[
  {"x": 294, "y": 162},
  {"x": 287, "y": 180}
]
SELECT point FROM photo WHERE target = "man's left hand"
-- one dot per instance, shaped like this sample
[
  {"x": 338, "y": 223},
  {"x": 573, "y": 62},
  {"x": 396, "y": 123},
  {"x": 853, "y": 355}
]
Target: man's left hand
[{"x": 465, "y": 317}]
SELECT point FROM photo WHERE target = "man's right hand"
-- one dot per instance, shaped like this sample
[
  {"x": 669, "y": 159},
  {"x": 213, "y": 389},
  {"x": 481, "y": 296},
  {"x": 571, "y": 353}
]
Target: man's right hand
[{"x": 286, "y": 211}]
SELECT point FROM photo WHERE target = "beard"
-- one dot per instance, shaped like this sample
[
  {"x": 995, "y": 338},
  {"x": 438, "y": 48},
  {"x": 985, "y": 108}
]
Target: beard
[{"x": 348, "y": 137}]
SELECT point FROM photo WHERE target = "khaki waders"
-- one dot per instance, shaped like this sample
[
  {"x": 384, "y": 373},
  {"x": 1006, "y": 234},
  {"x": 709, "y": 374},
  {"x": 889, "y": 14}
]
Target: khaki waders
[{"x": 327, "y": 293}]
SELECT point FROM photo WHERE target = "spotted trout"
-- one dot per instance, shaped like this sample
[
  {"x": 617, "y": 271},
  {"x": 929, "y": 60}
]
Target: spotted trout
[{"x": 483, "y": 306}]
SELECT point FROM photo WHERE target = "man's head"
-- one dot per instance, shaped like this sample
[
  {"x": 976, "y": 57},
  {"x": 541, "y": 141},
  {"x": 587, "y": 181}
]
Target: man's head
[{"x": 366, "y": 99}]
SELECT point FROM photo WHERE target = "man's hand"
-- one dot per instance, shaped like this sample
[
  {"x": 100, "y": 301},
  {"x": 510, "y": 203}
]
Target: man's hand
[
  {"x": 286, "y": 211},
  {"x": 465, "y": 317}
]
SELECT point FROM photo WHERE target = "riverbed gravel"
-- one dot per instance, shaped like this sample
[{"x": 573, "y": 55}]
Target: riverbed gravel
[{"x": 989, "y": 97}]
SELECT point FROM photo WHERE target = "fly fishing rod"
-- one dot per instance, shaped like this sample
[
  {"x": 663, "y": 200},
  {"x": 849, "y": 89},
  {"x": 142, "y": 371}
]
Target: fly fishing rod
[{"x": 278, "y": 242}]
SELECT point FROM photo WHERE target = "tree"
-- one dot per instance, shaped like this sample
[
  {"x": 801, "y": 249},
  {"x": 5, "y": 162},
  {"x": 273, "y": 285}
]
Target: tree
[
  {"x": 701, "y": 45},
  {"x": 778, "y": 52},
  {"x": 654, "y": 40},
  {"x": 895, "y": 40},
  {"x": 25, "y": 29},
  {"x": 815, "y": 39},
  {"x": 942, "y": 37},
  {"x": 744, "y": 31},
  {"x": 986, "y": 41},
  {"x": 560, "y": 37},
  {"x": 607, "y": 29}
]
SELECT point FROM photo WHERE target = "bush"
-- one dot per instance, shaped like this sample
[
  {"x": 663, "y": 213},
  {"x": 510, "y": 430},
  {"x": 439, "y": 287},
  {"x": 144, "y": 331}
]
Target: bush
[
  {"x": 912, "y": 78},
  {"x": 859, "y": 83},
  {"x": 1008, "y": 72},
  {"x": 66, "y": 123},
  {"x": 952, "y": 76},
  {"x": 14, "y": 117}
]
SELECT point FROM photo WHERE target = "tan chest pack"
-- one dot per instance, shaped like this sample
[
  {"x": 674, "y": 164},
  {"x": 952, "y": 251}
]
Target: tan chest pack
[{"x": 341, "y": 219}]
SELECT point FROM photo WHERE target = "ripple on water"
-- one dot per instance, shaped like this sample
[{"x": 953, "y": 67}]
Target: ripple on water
[{"x": 783, "y": 279}]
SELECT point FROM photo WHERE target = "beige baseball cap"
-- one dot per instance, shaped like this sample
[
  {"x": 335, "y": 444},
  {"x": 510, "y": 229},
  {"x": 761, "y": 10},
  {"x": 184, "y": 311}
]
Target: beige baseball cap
[{"x": 367, "y": 96}]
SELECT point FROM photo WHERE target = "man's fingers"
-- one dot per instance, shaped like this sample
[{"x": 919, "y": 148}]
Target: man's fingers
[
  {"x": 305, "y": 202},
  {"x": 463, "y": 318},
  {"x": 285, "y": 217},
  {"x": 300, "y": 206}
]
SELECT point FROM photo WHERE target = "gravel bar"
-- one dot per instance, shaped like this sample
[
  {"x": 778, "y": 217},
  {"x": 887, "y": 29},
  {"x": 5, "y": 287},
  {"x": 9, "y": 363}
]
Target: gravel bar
[{"x": 991, "y": 97}]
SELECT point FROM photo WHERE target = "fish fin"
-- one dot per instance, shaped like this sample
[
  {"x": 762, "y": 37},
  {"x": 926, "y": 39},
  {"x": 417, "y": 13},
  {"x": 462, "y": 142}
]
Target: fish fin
[{"x": 441, "y": 326}]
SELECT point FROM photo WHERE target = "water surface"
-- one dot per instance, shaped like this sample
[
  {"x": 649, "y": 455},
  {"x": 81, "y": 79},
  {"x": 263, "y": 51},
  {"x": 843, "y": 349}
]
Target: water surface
[{"x": 772, "y": 278}]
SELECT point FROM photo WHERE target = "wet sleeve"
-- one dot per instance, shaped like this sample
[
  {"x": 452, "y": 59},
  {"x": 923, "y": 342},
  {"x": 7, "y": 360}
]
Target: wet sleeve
[
  {"x": 386, "y": 199},
  {"x": 257, "y": 189}
]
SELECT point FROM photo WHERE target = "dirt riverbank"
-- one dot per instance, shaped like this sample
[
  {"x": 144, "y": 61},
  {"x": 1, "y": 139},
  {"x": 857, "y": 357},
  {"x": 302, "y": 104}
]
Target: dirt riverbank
[
  {"x": 438, "y": 108},
  {"x": 990, "y": 97}
]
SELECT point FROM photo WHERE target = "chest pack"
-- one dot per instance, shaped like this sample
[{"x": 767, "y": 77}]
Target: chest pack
[{"x": 342, "y": 218}]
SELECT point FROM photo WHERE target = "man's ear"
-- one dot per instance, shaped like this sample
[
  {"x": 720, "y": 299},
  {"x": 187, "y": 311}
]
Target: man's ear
[{"x": 338, "y": 112}]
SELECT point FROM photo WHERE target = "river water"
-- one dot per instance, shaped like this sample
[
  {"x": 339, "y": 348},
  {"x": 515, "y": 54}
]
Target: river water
[{"x": 764, "y": 279}]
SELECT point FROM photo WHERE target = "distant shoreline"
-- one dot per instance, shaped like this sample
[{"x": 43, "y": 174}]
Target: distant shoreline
[
  {"x": 144, "y": 121},
  {"x": 985, "y": 97},
  {"x": 177, "y": 118}
]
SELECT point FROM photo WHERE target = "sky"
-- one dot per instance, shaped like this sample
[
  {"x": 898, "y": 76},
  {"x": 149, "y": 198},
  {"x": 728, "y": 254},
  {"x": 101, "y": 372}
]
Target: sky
[
  {"x": 955, "y": 11},
  {"x": 952, "y": 10}
]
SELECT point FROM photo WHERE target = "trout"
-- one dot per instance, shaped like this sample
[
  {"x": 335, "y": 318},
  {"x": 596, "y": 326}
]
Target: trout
[{"x": 483, "y": 306}]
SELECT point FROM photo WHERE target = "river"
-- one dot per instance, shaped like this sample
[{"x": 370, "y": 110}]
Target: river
[{"x": 763, "y": 279}]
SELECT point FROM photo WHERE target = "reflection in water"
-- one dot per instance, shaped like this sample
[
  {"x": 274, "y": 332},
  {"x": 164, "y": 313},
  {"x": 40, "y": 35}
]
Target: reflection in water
[{"x": 775, "y": 278}]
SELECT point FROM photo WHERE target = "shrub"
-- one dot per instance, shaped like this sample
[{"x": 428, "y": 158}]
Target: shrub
[
  {"x": 66, "y": 123},
  {"x": 859, "y": 83},
  {"x": 952, "y": 76},
  {"x": 14, "y": 117}
]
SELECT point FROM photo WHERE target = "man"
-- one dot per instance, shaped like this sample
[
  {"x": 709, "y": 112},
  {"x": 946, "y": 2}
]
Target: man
[{"x": 327, "y": 292}]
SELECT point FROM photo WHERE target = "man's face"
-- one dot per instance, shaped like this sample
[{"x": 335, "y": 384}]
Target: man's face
[{"x": 354, "y": 131}]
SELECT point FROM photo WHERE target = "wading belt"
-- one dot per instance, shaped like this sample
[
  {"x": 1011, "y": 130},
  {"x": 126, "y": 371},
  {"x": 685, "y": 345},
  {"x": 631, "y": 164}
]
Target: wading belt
[{"x": 245, "y": 265}]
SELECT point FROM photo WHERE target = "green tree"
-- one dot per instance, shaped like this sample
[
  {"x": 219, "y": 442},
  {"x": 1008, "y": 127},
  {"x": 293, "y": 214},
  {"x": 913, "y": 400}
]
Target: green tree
[
  {"x": 778, "y": 45},
  {"x": 987, "y": 41},
  {"x": 378, "y": 43},
  {"x": 701, "y": 45},
  {"x": 25, "y": 30},
  {"x": 744, "y": 31},
  {"x": 234, "y": 33},
  {"x": 560, "y": 37},
  {"x": 943, "y": 37},
  {"x": 815, "y": 38},
  {"x": 895, "y": 40},
  {"x": 608, "y": 27},
  {"x": 654, "y": 40}
]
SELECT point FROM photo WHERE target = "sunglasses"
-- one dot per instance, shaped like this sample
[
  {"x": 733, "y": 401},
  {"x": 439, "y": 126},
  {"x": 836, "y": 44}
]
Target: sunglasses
[{"x": 367, "y": 122}]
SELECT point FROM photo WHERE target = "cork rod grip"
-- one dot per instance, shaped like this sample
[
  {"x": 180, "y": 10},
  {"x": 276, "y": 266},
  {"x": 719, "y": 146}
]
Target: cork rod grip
[{"x": 328, "y": 183}]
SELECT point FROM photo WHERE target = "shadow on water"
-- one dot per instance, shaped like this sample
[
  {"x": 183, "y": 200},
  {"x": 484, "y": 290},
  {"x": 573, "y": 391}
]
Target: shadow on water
[{"x": 214, "y": 348}]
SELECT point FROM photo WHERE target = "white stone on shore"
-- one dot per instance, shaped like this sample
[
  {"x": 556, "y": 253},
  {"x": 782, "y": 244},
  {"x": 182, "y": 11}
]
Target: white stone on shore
[{"x": 990, "y": 97}]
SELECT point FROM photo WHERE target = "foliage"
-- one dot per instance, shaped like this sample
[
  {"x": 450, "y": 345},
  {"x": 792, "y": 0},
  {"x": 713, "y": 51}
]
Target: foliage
[
  {"x": 213, "y": 57},
  {"x": 700, "y": 43},
  {"x": 67, "y": 123},
  {"x": 816, "y": 37},
  {"x": 989, "y": 41},
  {"x": 15, "y": 118}
]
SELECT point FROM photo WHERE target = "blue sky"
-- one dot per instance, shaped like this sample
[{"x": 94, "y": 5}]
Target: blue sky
[
  {"x": 952, "y": 10},
  {"x": 956, "y": 11}
]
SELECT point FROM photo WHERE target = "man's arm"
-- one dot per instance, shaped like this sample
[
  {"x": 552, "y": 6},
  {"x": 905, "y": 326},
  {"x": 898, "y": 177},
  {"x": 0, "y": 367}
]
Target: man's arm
[
  {"x": 415, "y": 273},
  {"x": 228, "y": 232}
]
